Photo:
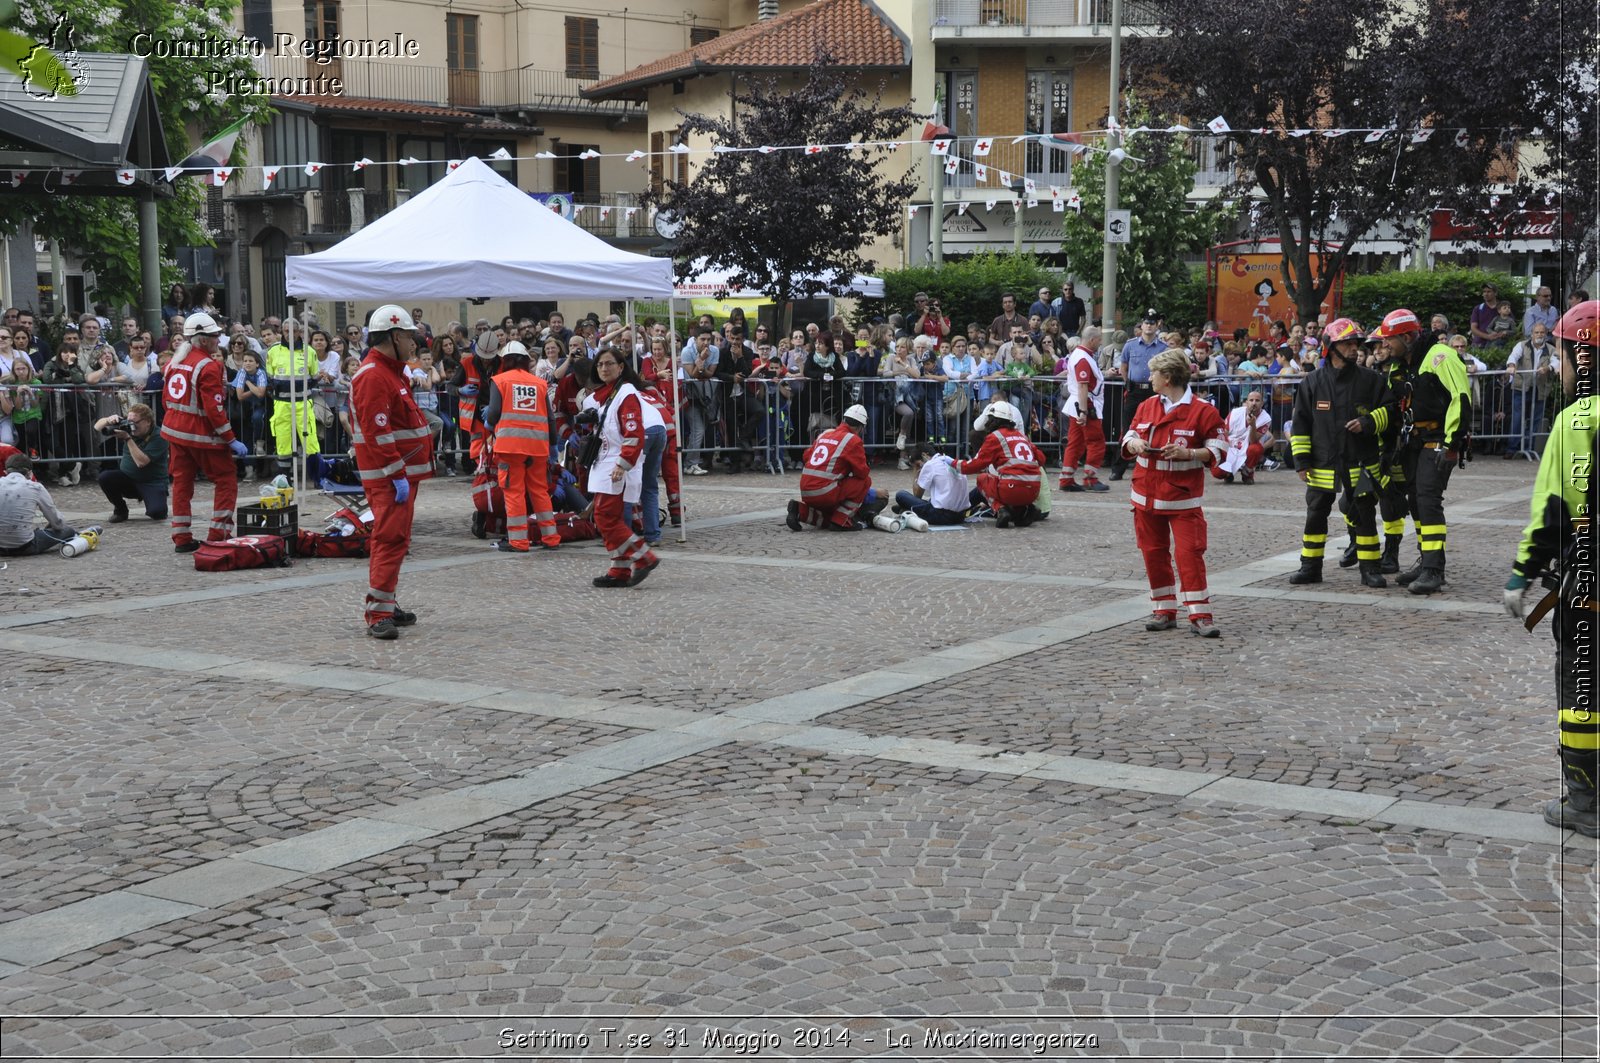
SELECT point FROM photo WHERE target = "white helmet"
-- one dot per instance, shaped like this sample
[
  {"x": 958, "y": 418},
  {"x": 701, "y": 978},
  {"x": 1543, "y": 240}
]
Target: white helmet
[
  {"x": 856, "y": 413},
  {"x": 201, "y": 323},
  {"x": 1001, "y": 410},
  {"x": 513, "y": 347},
  {"x": 389, "y": 317}
]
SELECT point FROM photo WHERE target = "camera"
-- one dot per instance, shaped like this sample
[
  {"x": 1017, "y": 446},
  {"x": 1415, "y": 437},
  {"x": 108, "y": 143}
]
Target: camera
[
  {"x": 122, "y": 425},
  {"x": 588, "y": 418}
]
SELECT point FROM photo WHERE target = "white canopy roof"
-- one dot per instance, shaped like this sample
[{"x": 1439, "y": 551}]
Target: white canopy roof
[
  {"x": 709, "y": 283},
  {"x": 474, "y": 235}
]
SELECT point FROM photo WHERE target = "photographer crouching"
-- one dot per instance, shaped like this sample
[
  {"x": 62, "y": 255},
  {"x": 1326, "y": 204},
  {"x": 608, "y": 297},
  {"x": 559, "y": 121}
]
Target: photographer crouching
[{"x": 142, "y": 469}]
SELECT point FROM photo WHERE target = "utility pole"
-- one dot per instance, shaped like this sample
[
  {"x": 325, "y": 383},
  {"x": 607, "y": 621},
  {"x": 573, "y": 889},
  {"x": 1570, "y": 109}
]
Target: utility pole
[
  {"x": 1108, "y": 273},
  {"x": 1017, "y": 188}
]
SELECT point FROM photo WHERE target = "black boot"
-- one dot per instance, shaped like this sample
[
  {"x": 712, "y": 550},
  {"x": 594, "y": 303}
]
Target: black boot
[
  {"x": 1310, "y": 571},
  {"x": 1370, "y": 576},
  {"x": 1391, "y": 555},
  {"x": 1409, "y": 576},
  {"x": 1576, "y": 811},
  {"x": 1430, "y": 581},
  {"x": 792, "y": 518},
  {"x": 1349, "y": 559}
]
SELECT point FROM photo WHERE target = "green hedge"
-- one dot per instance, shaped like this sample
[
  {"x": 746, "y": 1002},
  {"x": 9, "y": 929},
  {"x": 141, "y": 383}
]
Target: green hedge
[
  {"x": 968, "y": 289},
  {"x": 1448, "y": 290}
]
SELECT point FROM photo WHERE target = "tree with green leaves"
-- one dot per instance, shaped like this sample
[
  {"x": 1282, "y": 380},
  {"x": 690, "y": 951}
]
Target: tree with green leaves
[
  {"x": 774, "y": 218},
  {"x": 102, "y": 231},
  {"x": 1155, "y": 184}
]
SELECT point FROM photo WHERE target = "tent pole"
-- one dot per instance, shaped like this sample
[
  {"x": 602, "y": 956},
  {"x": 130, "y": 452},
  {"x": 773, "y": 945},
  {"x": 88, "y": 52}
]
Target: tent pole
[{"x": 677, "y": 370}]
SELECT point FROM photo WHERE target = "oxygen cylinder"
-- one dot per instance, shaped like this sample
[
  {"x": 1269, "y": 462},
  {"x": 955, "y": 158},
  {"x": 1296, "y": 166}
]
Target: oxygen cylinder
[
  {"x": 82, "y": 543},
  {"x": 884, "y": 522},
  {"x": 914, "y": 522}
]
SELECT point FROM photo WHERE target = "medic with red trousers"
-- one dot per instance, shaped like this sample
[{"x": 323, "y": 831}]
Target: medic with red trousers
[
  {"x": 836, "y": 485},
  {"x": 394, "y": 451},
  {"x": 1173, "y": 436},
  {"x": 199, "y": 437},
  {"x": 1013, "y": 487},
  {"x": 519, "y": 416},
  {"x": 617, "y": 412}
]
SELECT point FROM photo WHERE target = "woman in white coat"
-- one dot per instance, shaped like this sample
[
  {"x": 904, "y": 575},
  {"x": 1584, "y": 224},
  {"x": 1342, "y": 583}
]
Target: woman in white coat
[{"x": 617, "y": 475}]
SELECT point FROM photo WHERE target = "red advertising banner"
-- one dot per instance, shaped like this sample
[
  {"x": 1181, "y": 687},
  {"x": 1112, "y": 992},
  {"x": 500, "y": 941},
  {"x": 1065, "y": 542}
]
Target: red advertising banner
[
  {"x": 1247, "y": 290},
  {"x": 1446, "y": 226}
]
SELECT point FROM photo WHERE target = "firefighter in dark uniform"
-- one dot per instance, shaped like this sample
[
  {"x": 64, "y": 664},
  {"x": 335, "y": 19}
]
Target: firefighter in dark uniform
[
  {"x": 1435, "y": 434},
  {"x": 1561, "y": 534},
  {"x": 1341, "y": 411},
  {"x": 1392, "y": 496}
]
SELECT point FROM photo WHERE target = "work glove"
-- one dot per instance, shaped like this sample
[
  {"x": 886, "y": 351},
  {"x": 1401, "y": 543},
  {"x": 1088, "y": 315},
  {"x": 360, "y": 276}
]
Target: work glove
[
  {"x": 402, "y": 491},
  {"x": 238, "y": 448},
  {"x": 469, "y": 390},
  {"x": 1516, "y": 590}
]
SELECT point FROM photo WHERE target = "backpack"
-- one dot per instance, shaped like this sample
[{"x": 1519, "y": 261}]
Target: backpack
[
  {"x": 308, "y": 543},
  {"x": 247, "y": 551},
  {"x": 574, "y": 529}
]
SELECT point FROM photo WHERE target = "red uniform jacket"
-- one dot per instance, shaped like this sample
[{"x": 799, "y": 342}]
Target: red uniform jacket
[
  {"x": 654, "y": 397},
  {"x": 1160, "y": 484},
  {"x": 195, "y": 402},
  {"x": 1009, "y": 451},
  {"x": 391, "y": 437},
  {"x": 836, "y": 456}
]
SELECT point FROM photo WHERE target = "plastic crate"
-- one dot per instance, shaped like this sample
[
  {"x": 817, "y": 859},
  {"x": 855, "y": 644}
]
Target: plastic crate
[{"x": 256, "y": 520}]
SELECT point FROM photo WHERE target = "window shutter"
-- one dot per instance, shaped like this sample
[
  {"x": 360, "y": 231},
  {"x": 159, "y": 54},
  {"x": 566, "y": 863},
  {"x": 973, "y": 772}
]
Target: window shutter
[{"x": 583, "y": 48}]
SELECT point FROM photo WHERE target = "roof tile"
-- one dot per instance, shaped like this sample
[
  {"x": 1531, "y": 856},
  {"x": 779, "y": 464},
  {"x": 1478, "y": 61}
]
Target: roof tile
[{"x": 854, "y": 33}]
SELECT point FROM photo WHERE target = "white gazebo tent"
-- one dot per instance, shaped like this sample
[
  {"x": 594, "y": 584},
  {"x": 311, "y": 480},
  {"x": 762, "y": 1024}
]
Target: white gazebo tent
[{"x": 474, "y": 235}]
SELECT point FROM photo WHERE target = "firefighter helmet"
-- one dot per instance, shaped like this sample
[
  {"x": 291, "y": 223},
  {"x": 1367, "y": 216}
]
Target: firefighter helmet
[
  {"x": 1581, "y": 324},
  {"x": 1397, "y": 323},
  {"x": 1341, "y": 329}
]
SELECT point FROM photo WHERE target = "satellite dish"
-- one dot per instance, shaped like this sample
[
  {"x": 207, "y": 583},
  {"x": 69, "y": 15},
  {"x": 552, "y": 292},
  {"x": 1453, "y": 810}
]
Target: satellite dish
[
  {"x": 668, "y": 224},
  {"x": 561, "y": 203}
]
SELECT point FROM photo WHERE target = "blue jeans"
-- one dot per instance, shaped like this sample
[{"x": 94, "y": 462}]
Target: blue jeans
[
  {"x": 1527, "y": 419},
  {"x": 904, "y": 500},
  {"x": 655, "y": 444},
  {"x": 933, "y": 414}
]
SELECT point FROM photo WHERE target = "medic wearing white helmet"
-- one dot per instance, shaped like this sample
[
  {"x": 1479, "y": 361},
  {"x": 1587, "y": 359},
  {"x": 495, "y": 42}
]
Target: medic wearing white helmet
[
  {"x": 199, "y": 437},
  {"x": 835, "y": 484},
  {"x": 1012, "y": 487},
  {"x": 1559, "y": 547},
  {"x": 394, "y": 451}
]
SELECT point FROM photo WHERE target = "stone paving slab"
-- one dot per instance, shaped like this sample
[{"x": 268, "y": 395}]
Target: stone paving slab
[
  {"x": 905, "y": 888},
  {"x": 331, "y": 847},
  {"x": 74, "y": 927},
  {"x": 216, "y": 883}
]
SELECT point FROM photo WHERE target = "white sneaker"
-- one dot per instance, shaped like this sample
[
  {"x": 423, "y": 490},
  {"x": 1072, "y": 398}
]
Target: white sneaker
[
  {"x": 900, "y": 441},
  {"x": 77, "y": 469},
  {"x": 905, "y": 466},
  {"x": 695, "y": 470}
]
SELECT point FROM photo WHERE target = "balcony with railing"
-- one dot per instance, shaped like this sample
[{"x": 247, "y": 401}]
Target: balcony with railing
[
  {"x": 1030, "y": 160},
  {"x": 1008, "y": 19},
  {"x": 605, "y": 214},
  {"x": 537, "y": 90}
]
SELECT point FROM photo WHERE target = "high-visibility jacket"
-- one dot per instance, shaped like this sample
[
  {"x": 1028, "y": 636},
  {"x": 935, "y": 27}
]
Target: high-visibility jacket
[
  {"x": 1441, "y": 398},
  {"x": 524, "y": 424},
  {"x": 1163, "y": 484},
  {"x": 837, "y": 455},
  {"x": 195, "y": 402},
  {"x": 282, "y": 362},
  {"x": 391, "y": 437},
  {"x": 1324, "y": 403},
  {"x": 1562, "y": 524},
  {"x": 467, "y": 405}
]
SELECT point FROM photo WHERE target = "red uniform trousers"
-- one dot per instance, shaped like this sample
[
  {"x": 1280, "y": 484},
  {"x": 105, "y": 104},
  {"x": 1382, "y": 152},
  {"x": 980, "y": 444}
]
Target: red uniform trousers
[
  {"x": 388, "y": 542},
  {"x": 522, "y": 475},
  {"x": 669, "y": 473},
  {"x": 838, "y": 506},
  {"x": 1086, "y": 443},
  {"x": 182, "y": 463},
  {"x": 1252, "y": 461},
  {"x": 1155, "y": 531},
  {"x": 628, "y": 551},
  {"x": 1006, "y": 491}
]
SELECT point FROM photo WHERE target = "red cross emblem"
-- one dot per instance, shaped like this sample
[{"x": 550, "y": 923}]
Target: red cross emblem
[{"x": 394, "y": 319}]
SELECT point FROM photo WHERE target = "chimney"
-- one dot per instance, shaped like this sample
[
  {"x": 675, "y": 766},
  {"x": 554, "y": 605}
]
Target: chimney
[{"x": 766, "y": 9}]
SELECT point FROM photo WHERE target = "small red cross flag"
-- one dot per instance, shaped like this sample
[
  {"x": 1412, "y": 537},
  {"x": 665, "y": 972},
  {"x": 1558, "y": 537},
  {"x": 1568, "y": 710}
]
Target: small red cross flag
[
  {"x": 312, "y": 168},
  {"x": 360, "y": 164},
  {"x": 961, "y": 208},
  {"x": 635, "y": 155},
  {"x": 1005, "y": 178},
  {"x": 1421, "y": 136},
  {"x": 676, "y": 149},
  {"x": 766, "y": 149},
  {"x": 267, "y": 174},
  {"x": 813, "y": 149},
  {"x": 1029, "y": 187},
  {"x": 605, "y": 212},
  {"x": 980, "y": 173},
  {"x": 982, "y": 147},
  {"x": 1218, "y": 125},
  {"x": 70, "y": 177},
  {"x": 1376, "y": 135},
  {"x": 913, "y": 210},
  {"x": 941, "y": 146},
  {"x": 220, "y": 174},
  {"x": 19, "y": 176},
  {"x": 1075, "y": 201},
  {"x": 455, "y": 164},
  {"x": 172, "y": 173},
  {"x": 952, "y": 165},
  {"x": 630, "y": 212},
  {"x": 1297, "y": 133},
  {"x": 1461, "y": 138},
  {"x": 125, "y": 177},
  {"x": 409, "y": 160},
  {"x": 500, "y": 155}
]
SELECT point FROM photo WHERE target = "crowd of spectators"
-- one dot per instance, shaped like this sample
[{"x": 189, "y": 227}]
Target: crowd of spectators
[{"x": 747, "y": 396}]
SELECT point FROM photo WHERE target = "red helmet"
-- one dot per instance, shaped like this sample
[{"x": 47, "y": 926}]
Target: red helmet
[
  {"x": 1341, "y": 328},
  {"x": 1581, "y": 324},
  {"x": 1397, "y": 323}
]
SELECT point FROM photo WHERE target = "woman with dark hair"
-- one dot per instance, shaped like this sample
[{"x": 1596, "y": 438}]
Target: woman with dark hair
[
  {"x": 617, "y": 475},
  {"x": 177, "y": 303},
  {"x": 204, "y": 300},
  {"x": 824, "y": 371}
]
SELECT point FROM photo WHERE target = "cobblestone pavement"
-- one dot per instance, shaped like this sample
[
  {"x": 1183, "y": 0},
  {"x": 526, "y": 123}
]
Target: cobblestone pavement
[{"x": 845, "y": 796}]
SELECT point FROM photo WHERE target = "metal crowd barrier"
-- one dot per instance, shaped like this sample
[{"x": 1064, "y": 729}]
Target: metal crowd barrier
[{"x": 765, "y": 425}]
